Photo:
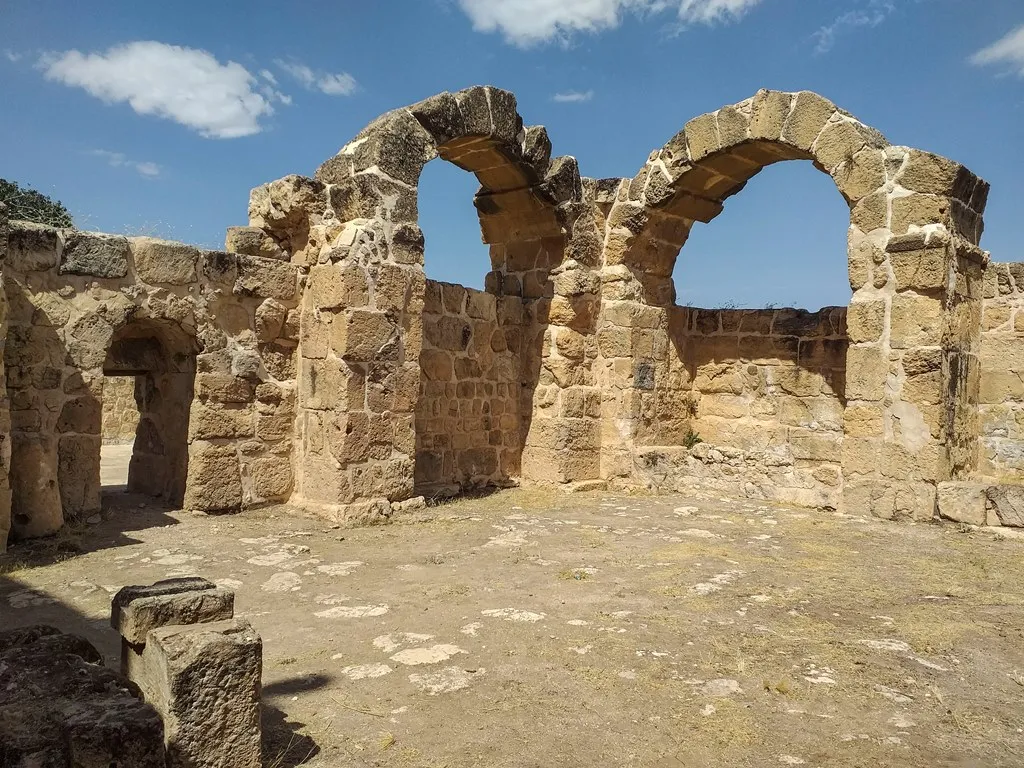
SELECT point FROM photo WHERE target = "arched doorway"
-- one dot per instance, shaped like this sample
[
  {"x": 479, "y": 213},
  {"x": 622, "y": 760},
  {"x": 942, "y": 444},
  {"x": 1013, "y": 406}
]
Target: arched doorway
[
  {"x": 160, "y": 358},
  {"x": 442, "y": 382}
]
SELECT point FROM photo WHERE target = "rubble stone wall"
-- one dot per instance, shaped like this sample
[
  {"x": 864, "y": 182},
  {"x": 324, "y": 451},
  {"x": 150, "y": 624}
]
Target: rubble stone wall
[
  {"x": 1001, "y": 398},
  {"x": 120, "y": 412},
  {"x": 467, "y": 416}
]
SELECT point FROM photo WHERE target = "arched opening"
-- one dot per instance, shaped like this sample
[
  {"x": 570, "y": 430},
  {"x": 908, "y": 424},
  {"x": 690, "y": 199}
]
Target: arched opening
[
  {"x": 475, "y": 354},
  {"x": 764, "y": 376},
  {"x": 468, "y": 432},
  {"x": 158, "y": 358},
  {"x": 781, "y": 242},
  {"x": 453, "y": 249}
]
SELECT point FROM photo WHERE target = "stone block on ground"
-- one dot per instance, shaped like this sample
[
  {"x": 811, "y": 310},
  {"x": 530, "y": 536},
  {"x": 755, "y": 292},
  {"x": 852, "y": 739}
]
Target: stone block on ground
[
  {"x": 138, "y": 609},
  {"x": 204, "y": 680},
  {"x": 60, "y": 707},
  {"x": 1007, "y": 501}
]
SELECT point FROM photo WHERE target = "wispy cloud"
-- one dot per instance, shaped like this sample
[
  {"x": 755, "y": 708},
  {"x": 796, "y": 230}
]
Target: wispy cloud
[
  {"x": 873, "y": 14},
  {"x": 572, "y": 97},
  {"x": 12, "y": 56},
  {"x": 1008, "y": 51},
  {"x": 341, "y": 84},
  {"x": 186, "y": 85},
  {"x": 119, "y": 160},
  {"x": 529, "y": 22}
]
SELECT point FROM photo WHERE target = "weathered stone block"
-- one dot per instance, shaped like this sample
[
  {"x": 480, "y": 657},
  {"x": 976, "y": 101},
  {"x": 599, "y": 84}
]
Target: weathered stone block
[
  {"x": 1007, "y": 501},
  {"x": 163, "y": 261},
  {"x": 271, "y": 477},
  {"x": 963, "y": 502},
  {"x": 364, "y": 335},
  {"x": 867, "y": 369},
  {"x": 270, "y": 317},
  {"x": 810, "y": 114},
  {"x": 865, "y": 320},
  {"x": 32, "y": 247},
  {"x": 214, "y": 480},
  {"x": 253, "y": 241},
  {"x": 59, "y": 706},
  {"x": 265, "y": 278},
  {"x": 136, "y": 610},
  {"x": 204, "y": 680},
  {"x": 88, "y": 253},
  {"x": 769, "y": 112}
]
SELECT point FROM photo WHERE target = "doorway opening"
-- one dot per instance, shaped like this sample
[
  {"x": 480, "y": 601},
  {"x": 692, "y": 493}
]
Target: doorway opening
[
  {"x": 156, "y": 363},
  {"x": 120, "y": 422}
]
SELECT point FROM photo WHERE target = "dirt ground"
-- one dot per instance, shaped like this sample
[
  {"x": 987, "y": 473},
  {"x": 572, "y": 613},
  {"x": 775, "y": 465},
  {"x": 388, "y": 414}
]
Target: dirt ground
[{"x": 544, "y": 629}]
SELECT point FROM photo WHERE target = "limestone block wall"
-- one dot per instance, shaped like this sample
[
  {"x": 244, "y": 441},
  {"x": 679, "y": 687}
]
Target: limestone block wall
[
  {"x": 467, "y": 416},
  {"x": 753, "y": 405},
  {"x": 1001, "y": 390},
  {"x": 207, "y": 322},
  {"x": 312, "y": 361},
  {"x": 120, "y": 412},
  {"x": 914, "y": 268}
]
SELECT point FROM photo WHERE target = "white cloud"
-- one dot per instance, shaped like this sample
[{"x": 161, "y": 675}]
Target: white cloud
[
  {"x": 186, "y": 85},
  {"x": 118, "y": 160},
  {"x": 341, "y": 84},
  {"x": 528, "y": 22},
  {"x": 12, "y": 56},
  {"x": 1007, "y": 50},
  {"x": 573, "y": 97},
  {"x": 876, "y": 12},
  {"x": 710, "y": 11}
]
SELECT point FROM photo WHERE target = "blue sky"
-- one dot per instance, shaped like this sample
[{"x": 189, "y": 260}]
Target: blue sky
[{"x": 137, "y": 136}]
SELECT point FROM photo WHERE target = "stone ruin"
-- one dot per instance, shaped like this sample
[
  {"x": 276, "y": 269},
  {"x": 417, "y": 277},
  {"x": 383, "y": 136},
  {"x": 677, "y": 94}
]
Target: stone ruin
[
  {"x": 188, "y": 695},
  {"x": 312, "y": 362}
]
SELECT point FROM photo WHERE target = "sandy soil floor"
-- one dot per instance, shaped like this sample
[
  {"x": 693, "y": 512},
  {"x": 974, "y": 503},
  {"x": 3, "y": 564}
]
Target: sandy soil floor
[{"x": 539, "y": 629}]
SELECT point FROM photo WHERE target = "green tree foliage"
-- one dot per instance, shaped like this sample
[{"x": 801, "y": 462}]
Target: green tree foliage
[{"x": 27, "y": 204}]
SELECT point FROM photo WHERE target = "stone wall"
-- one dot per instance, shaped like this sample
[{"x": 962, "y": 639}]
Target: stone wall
[
  {"x": 1001, "y": 392},
  {"x": 313, "y": 363},
  {"x": 914, "y": 266},
  {"x": 190, "y": 320},
  {"x": 5, "y": 405},
  {"x": 120, "y": 412},
  {"x": 467, "y": 417},
  {"x": 763, "y": 392}
]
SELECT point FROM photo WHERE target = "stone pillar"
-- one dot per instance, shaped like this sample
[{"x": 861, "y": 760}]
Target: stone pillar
[{"x": 199, "y": 667}]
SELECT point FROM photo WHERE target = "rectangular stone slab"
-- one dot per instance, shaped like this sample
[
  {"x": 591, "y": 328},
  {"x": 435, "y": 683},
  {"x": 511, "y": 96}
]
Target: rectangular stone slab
[
  {"x": 204, "y": 680},
  {"x": 138, "y": 609}
]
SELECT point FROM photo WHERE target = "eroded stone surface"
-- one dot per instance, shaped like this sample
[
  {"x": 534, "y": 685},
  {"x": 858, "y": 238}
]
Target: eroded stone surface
[
  {"x": 135, "y": 611},
  {"x": 60, "y": 706},
  {"x": 204, "y": 680}
]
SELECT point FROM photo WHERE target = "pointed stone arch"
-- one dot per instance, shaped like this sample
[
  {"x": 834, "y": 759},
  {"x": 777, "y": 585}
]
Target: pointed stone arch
[
  {"x": 914, "y": 268},
  {"x": 368, "y": 294}
]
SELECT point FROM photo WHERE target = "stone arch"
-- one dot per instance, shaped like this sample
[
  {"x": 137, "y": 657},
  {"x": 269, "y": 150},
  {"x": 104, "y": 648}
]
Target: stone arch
[
  {"x": 380, "y": 319},
  {"x": 914, "y": 267}
]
